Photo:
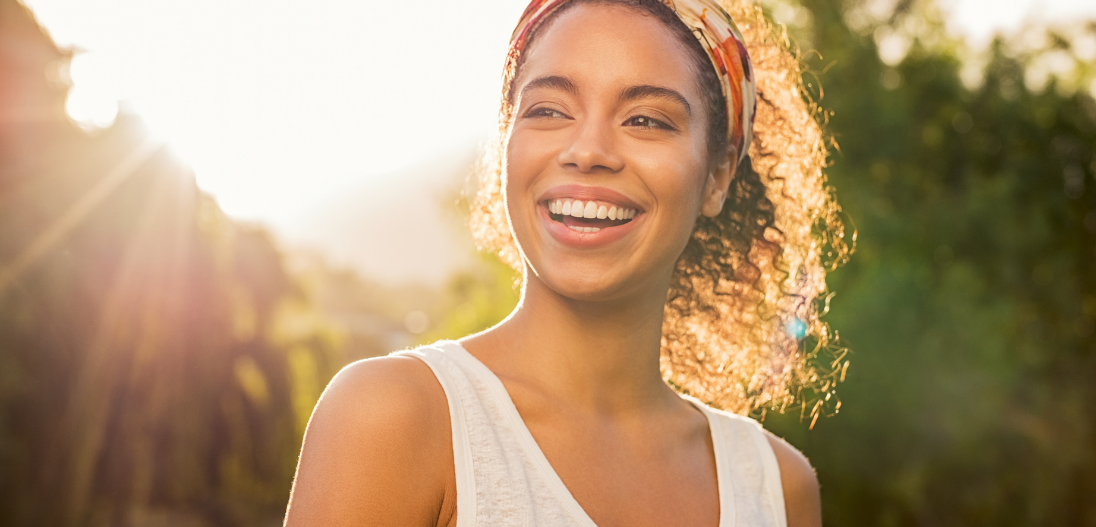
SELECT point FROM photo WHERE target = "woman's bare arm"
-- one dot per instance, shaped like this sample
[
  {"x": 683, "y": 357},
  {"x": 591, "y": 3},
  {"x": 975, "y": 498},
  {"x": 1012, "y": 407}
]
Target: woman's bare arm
[
  {"x": 378, "y": 450},
  {"x": 801, "y": 496}
]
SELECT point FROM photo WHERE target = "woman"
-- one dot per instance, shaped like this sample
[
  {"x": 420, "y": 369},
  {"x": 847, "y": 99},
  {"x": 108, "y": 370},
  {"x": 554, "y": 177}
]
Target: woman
[{"x": 648, "y": 250}]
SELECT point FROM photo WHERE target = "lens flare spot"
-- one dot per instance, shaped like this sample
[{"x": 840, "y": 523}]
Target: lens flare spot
[{"x": 796, "y": 328}]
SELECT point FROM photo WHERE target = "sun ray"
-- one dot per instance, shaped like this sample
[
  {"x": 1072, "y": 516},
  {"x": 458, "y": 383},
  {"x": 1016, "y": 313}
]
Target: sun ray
[
  {"x": 77, "y": 212},
  {"x": 129, "y": 317}
]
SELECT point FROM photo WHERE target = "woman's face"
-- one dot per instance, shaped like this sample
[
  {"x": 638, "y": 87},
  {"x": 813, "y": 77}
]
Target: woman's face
[{"x": 606, "y": 160}]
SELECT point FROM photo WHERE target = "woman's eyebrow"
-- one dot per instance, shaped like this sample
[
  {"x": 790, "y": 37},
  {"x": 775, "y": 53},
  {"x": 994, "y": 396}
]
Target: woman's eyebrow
[
  {"x": 551, "y": 81},
  {"x": 645, "y": 90}
]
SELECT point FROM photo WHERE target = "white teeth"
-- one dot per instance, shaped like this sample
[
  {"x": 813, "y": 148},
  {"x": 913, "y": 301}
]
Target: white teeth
[{"x": 590, "y": 209}]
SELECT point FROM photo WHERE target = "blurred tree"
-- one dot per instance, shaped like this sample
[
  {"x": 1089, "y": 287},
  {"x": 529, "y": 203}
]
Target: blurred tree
[
  {"x": 475, "y": 299},
  {"x": 481, "y": 295},
  {"x": 371, "y": 316},
  {"x": 970, "y": 305},
  {"x": 157, "y": 362}
]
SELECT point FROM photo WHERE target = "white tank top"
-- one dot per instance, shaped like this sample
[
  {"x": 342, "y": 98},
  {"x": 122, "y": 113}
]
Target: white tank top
[{"x": 503, "y": 478}]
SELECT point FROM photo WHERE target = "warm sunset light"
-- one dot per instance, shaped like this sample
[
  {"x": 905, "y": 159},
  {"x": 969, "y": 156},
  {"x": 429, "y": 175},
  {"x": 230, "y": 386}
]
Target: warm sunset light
[
  {"x": 243, "y": 282},
  {"x": 278, "y": 106}
]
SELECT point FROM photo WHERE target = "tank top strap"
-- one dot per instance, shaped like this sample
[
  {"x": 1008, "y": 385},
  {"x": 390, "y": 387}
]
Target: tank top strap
[
  {"x": 454, "y": 383},
  {"x": 751, "y": 466}
]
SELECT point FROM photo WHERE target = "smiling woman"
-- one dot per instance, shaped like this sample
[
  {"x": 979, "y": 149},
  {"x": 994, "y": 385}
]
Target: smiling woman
[
  {"x": 752, "y": 271},
  {"x": 664, "y": 233}
]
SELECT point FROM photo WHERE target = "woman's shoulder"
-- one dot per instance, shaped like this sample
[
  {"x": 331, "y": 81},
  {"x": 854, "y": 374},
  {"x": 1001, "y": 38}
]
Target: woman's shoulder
[
  {"x": 396, "y": 393},
  {"x": 378, "y": 435},
  {"x": 402, "y": 381}
]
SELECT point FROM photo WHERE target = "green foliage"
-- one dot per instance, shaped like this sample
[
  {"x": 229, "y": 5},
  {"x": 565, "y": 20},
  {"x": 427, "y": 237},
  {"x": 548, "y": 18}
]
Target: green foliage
[
  {"x": 476, "y": 299},
  {"x": 970, "y": 304}
]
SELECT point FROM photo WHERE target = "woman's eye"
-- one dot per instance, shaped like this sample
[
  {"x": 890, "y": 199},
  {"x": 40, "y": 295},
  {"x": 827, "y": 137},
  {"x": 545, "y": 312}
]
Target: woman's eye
[
  {"x": 643, "y": 121},
  {"x": 545, "y": 112}
]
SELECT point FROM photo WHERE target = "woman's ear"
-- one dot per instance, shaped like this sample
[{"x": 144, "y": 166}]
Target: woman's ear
[{"x": 718, "y": 183}]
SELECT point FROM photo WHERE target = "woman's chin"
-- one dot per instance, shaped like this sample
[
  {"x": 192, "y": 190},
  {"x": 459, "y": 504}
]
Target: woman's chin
[{"x": 589, "y": 282}]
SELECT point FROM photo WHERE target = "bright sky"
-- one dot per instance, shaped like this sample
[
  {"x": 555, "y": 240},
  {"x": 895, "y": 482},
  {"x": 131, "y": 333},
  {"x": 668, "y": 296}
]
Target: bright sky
[
  {"x": 278, "y": 105},
  {"x": 979, "y": 20}
]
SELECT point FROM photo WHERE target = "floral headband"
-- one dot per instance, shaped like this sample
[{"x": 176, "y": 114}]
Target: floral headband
[{"x": 716, "y": 33}]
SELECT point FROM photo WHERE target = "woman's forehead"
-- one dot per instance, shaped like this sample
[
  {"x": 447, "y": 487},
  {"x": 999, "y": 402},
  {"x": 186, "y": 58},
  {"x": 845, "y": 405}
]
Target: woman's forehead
[{"x": 607, "y": 46}]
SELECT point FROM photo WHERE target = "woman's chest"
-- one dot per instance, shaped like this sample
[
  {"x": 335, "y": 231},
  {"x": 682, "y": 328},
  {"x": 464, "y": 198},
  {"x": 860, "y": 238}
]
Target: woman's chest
[{"x": 634, "y": 475}]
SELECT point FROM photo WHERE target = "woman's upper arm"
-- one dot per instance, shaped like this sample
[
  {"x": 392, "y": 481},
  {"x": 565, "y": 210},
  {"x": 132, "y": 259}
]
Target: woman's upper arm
[
  {"x": 801, "y": 495},
  {"x": 377, "y": 450}
]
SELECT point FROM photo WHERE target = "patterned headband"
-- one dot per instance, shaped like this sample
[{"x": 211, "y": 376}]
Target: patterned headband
[{"x": 716, "y": 33}]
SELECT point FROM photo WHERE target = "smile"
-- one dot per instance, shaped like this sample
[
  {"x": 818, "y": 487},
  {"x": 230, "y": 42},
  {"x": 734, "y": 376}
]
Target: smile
[{"x": 589, "y": 216}]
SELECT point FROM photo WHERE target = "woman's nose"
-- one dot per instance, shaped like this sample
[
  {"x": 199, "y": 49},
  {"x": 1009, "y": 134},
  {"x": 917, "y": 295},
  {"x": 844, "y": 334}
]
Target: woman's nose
[{"x": 591, "y": 149}]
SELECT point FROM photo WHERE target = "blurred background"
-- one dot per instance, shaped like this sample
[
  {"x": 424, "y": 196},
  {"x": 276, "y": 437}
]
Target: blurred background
[{"x": 207, "y": 209}]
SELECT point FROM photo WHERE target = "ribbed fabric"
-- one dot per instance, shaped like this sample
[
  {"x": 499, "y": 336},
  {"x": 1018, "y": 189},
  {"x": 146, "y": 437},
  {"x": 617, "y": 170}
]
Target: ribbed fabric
[{"x": 504, "y": 480}]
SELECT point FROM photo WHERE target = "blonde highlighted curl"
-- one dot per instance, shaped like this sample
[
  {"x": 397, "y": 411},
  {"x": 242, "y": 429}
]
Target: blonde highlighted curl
[{"x": 742, "y": 328}]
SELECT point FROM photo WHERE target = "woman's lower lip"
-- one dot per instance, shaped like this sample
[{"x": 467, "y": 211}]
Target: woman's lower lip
[{"x": 584, "y": 240}]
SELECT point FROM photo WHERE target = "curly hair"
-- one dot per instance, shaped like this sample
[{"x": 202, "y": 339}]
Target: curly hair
[{"x": 742, "y": 328}]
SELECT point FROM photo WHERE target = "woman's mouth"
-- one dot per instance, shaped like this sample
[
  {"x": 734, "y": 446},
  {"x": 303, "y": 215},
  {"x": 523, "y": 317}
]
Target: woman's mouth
[{"x": 589, "y": 216}]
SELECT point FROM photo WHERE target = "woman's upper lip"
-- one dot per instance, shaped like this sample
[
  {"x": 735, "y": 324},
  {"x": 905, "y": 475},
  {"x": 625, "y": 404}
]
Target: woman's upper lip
[{"x": 586, "y": 193}]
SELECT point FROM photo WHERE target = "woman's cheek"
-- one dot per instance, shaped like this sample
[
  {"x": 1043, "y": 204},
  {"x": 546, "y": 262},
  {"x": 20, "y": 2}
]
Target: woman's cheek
[
  {"x": 523, "y": 161},
  {"x": 676, "y": 185},
  {"x": 522, "y": 156}
]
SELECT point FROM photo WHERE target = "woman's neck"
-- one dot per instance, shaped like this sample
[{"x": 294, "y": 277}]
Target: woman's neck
[{"x": 600, "y": 355}]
